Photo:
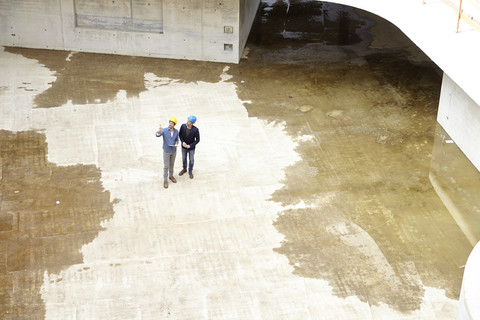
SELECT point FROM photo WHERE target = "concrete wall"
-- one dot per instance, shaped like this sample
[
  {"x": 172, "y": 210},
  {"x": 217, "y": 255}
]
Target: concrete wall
[
  {"x": 31, "y": 23},
  {"x": 468, "y": 307},
  {"x": 456, "y": 183},
  {"x": 248, "y": 10},
  {"x": 459, "y": 115},
  {"x": 182, "y": 29}
]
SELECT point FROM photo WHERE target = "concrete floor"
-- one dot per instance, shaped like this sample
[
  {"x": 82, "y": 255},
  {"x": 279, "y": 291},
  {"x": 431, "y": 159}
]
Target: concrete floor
[{"x": 323, "y": 189}]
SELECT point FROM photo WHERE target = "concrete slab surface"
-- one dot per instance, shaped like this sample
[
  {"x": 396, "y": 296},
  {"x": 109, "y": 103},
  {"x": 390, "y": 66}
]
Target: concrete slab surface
[{"x": 323, "y": 187}]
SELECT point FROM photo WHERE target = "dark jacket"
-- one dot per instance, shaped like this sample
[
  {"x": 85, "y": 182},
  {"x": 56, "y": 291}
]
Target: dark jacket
[{"x": 193, "y": 137}]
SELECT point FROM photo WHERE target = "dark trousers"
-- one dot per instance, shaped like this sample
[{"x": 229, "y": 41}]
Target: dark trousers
[{"x": 191, "y": 158}]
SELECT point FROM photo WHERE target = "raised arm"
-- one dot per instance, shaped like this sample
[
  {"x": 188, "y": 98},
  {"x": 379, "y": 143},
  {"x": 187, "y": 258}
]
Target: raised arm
[{"x": 159, "y": 132}]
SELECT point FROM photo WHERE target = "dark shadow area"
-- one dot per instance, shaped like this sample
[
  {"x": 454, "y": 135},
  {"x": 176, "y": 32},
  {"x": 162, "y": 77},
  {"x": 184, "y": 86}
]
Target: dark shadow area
[{"x": 295, "y": 23}]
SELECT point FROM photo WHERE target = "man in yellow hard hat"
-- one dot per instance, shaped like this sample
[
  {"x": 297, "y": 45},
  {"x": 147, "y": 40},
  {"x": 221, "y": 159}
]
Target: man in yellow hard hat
[{"x": 170, "y": 143}]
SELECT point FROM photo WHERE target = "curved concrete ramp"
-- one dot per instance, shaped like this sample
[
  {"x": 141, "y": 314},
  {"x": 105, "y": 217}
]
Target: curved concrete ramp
[{"x": 431, "y": 26}]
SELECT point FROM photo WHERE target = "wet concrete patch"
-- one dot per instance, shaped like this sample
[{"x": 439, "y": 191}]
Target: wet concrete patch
[
  {"x": 365, "y": 170},
  {"x": 377, "y": 229},
  {"x": 87, "y": 78},
  {"x": 47, "y": 213}
]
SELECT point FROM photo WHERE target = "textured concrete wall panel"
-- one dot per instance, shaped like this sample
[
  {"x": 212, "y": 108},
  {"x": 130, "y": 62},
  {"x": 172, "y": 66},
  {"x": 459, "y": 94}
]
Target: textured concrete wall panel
[
  {"x": 150, "y": 45},
  {"x": 137, "y": 15},
  {"x": 103, "y": 14},
  {"x": 30, "y": 23},
  {"x": 147, "y": 9},
  {"x": 219, "y": 18},
  {"x": 147, "y": 15},
  {"x": 103, "y": 8},
  {"x": 182, "y": 29},
  {"x": 182, "y": 14}
]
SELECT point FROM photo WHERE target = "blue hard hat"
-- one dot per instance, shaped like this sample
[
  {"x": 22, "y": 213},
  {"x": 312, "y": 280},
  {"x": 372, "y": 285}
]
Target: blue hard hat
[{"x": 192, "y": 119}]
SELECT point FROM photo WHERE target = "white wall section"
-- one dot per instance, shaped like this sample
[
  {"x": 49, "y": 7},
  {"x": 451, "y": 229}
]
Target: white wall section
[{"x": 459, "y": 115}]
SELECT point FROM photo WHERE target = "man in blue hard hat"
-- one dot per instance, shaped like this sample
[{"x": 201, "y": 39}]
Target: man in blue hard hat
[
  {"x": 190, "y": 137},
  {"x": 170, "y": 143}
]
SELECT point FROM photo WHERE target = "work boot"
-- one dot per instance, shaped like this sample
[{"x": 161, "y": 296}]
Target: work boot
[
  {"x": 190, "y": 174},
  {"x": 182, "y": 172},
  {"x": 165, "y": 184},
  {"x": 173, "y": 179}
]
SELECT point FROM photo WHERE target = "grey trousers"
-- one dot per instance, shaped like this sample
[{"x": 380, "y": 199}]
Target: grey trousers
[{"x": 168, "y": 162}]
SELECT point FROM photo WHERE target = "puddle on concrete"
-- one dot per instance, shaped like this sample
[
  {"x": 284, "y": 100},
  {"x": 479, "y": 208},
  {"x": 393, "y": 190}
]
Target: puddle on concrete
[
  {"x": 378, "y": 229},
  {"x": 47, "y": 213},
  {"x": 88, "y": 78}
]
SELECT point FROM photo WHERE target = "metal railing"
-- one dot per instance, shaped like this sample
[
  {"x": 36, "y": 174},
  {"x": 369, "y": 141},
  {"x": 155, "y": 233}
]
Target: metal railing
[{"x": 468, "y": 11}]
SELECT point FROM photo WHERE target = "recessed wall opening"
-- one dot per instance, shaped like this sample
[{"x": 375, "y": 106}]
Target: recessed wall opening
[{"x": 125, "y": 15}]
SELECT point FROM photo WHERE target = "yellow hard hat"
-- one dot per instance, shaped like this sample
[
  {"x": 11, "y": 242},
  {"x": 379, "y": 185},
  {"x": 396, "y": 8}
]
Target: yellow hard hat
[{"x": 173, "y": 120}]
